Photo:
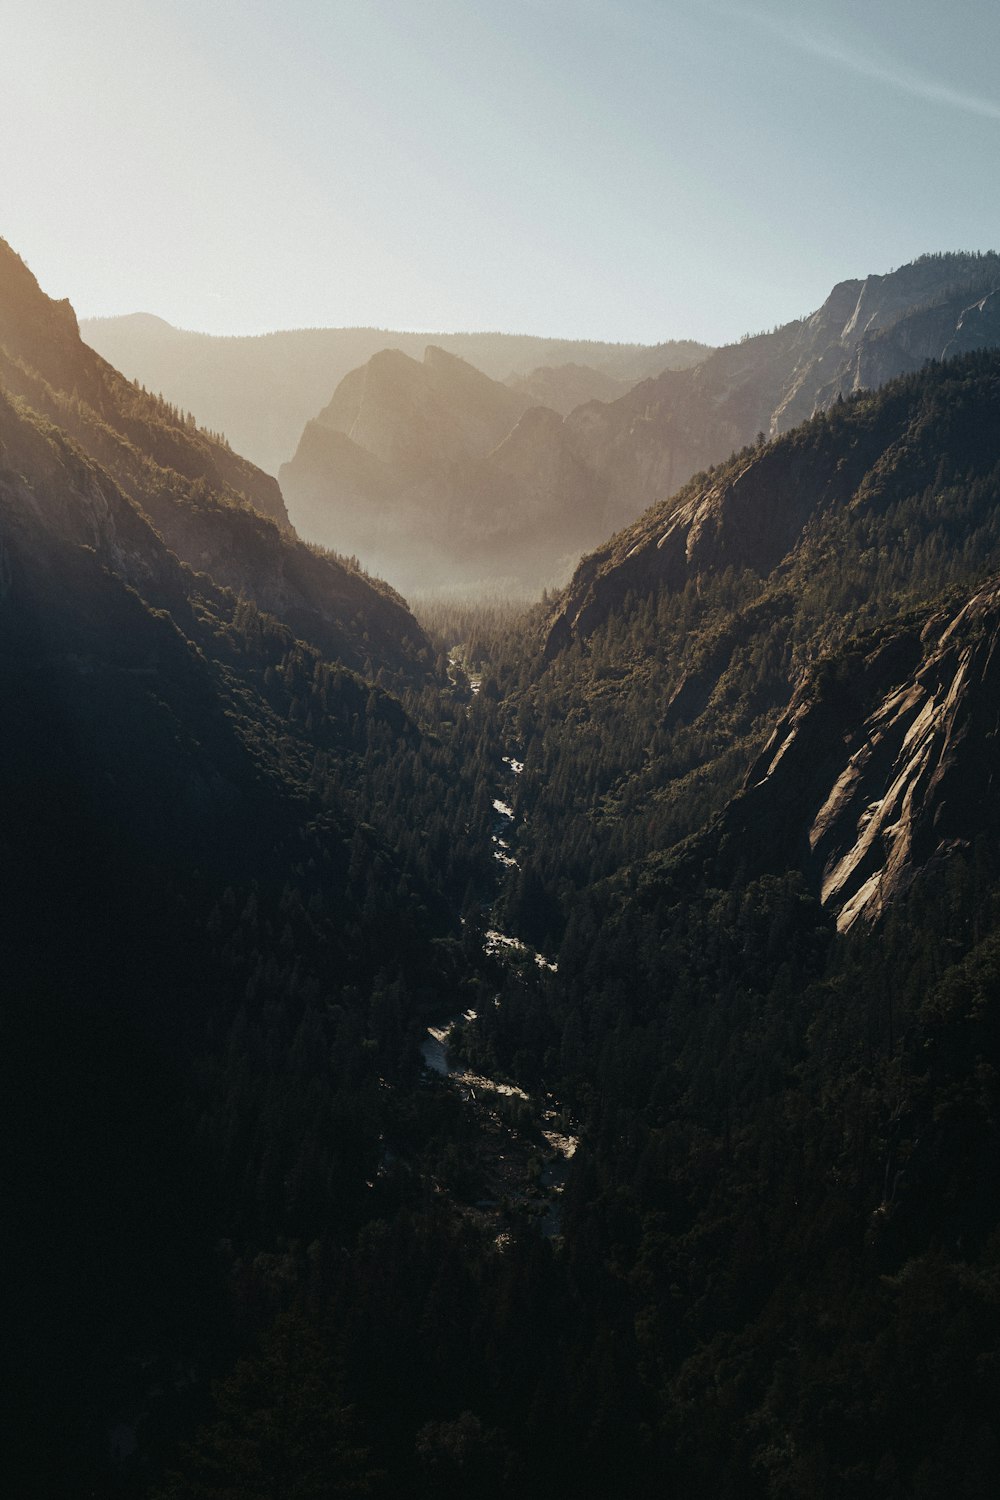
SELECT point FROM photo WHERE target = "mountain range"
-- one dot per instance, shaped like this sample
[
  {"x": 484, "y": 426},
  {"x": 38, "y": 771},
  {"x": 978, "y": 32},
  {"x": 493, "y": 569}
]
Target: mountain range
[
  {"x": 515, "y": 501},
  {"x": 693, "y": 866},
  {"x": 261, "y": 390}
]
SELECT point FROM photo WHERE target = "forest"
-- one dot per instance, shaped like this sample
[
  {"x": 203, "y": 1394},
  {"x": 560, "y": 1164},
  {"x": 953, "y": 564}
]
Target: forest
[{"x": 699, "y": 1196}]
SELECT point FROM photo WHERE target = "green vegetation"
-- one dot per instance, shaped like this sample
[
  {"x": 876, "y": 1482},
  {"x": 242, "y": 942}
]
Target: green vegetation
[{"x": 251, "y": 1247}]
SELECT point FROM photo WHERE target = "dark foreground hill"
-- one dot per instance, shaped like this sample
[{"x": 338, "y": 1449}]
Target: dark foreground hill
[{"x": 204, "y": 857}]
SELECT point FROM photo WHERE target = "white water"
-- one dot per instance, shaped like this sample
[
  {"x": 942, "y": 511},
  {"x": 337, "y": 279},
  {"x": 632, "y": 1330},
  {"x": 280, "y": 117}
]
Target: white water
[{"x": 559, "y": 1139}]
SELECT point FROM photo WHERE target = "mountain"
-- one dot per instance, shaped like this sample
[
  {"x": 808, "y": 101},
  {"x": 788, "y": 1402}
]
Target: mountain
[
  {"x": 677, "y": 648},
  {"x": 707, "y": 1203},
  {"x": 438, "y": 476},
  {"x": 261, "y": 391},
  {"x": 564, "y": 387},
  {"x": 754, "y": 511},
  {"x": 648, "y": 443},
  {"x": 754, "y": 832},
  {"x": 218, "y": 513},
  {"x": 225, "y": 828},
  {"x": 605, "y": 460}
]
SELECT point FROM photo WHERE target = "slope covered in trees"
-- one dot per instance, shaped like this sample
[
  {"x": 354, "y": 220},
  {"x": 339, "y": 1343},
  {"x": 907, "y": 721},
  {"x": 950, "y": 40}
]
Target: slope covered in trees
[
  {"x": 251, "y": 1246},
  {"x": 780, "y": 1207},
  {"x": 233, "y": 861}
]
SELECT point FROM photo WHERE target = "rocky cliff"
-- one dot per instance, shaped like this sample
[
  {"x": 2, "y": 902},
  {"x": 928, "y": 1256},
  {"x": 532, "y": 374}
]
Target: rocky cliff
[{"x": 884, "y": 763}]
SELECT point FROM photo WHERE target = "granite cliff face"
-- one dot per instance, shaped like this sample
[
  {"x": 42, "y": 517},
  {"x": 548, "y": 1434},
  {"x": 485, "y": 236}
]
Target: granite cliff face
[
  {"x": 422, "y": 417},
  {"x": 884, "y": 763}
]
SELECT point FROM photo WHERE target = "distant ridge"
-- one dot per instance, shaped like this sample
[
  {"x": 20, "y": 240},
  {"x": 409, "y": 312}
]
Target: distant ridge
[
  {"x": 262, "y": 389},
  {"x": 429, "y": 513}
]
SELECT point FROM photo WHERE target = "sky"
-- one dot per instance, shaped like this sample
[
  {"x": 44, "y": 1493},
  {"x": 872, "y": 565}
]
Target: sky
[{"x": 631, "y": 170}]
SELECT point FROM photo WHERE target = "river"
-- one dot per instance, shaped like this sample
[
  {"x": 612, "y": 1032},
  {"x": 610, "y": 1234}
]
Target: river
[{"x": 531, "y": 1173}]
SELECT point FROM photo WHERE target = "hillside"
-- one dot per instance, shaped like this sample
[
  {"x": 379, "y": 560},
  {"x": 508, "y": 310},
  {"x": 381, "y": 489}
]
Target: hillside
[
  {"x": 677, "y": 646},
  {"x": 204, "y": 857},
  {"x": 261, "y": 391},
  {"x": 217, "y": 512},
  {"x": 647, "y": 444},
  {"x": 754, "y": 832}
]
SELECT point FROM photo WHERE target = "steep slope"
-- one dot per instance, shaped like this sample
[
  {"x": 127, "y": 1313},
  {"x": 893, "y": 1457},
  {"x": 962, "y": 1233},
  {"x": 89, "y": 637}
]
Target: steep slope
[
  {"x": 883, "y": 764},
  {"x": 751, "y": 513},
  {"x": 667, "y": 664},
  {"x": 231, "y": 868},
  {"x": 422, "y": 417},
  {"x": 652, "y": 440},
  {"x": 216, "y": 511},
  {"x": 261, "y": 391},
  {"x": 44, "y": 358}
]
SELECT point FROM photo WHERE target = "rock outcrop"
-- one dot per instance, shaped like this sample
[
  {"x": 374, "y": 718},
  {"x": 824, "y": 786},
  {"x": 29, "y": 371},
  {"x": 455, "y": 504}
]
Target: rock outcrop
[{"x": 885, "y": 762}]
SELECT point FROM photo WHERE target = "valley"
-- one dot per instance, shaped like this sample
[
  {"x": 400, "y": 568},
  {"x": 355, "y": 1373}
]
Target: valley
[{"x": 540, "y": 1043}]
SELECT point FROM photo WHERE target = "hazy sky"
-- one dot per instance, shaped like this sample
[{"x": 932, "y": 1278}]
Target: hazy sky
[{"x": 620, "y": 169}]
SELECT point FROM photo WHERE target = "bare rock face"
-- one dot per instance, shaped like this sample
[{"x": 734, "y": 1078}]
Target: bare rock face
[
  {"x": 885, "y": 765},
  {"x": 420, "y": 417}
]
